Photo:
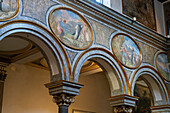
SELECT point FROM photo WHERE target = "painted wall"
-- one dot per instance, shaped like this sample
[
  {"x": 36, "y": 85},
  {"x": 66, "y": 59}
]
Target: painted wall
[{"x": 25, "y": 92}]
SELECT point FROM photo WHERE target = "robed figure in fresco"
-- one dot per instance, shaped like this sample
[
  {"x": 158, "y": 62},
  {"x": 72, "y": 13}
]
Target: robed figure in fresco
[{"x": 1, "y": 1}]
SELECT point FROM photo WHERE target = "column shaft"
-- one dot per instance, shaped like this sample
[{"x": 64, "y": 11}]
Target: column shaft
[{"x": 63, "y": 109}]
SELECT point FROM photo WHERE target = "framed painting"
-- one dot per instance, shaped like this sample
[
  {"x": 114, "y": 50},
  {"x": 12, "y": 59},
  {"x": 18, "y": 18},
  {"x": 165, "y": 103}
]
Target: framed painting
[
  {"x": 8, "y": 9},
  {"x": 80, "y": 111},
  {"x": 162, "y": 65},
  {"x": 145, "y": 99},
  {"x": 167, "y": 16},
  {"x": 143, "y": 10},
  {"x": 126, "y": 50},
  {"x": 71, "y": 28}
]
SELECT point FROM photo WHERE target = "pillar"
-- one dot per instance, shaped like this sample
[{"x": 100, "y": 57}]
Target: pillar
[
  {"x": 2, "y": 79},
  {"x": 63, "y": 93},
  {"x": 123, "y": 103}
]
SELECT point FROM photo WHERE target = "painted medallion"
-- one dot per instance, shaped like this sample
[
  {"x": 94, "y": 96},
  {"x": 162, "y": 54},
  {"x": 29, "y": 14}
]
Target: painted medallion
[
  {"x": 8, "y": 9},
  {"x": 71, "y": 28},
  {"x": 162, "y": 65},
  {"x": 126, "y": 50}
]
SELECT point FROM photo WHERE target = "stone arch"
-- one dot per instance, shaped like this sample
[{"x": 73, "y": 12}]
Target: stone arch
[
  {"x": 114, "y": 71},
  {"x": 50, "y": 47},
  {"x": 158, "y": 87}
]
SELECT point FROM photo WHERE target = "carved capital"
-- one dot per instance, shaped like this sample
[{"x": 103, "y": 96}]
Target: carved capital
[
  {"x": 123, "y": 109},
  {"x": 63, "y": 99},
  {"x": 2, "y": 72}
]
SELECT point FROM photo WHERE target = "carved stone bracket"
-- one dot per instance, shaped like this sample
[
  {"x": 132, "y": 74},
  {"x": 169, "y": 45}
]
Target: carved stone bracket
[{"x": 123, "y": 103}]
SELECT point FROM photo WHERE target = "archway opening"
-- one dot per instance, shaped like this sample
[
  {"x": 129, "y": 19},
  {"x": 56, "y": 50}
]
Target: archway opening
[
  {"x": 143, "y": 91},
  {"x": 28, "y": 69}
]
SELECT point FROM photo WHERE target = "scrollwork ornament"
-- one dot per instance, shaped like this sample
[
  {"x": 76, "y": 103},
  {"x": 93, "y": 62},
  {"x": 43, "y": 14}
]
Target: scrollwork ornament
[{"x": 63, "y": 99}]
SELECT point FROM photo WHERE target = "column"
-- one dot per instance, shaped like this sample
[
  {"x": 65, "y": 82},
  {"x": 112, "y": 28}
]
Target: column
[
  {"x": 161, "y": 109},
  {"x": 2, "y": 79},
  {"x": 63, "y": 93},
  {"x": 123, "y": 103}
]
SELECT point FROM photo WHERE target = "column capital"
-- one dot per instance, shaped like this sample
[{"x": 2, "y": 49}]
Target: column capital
[
  {"x": 63, "y": 92},
  {"x": 161, "y": 108},
  {"x": 123, "y": 109},
  {"x": 3, "y": 71},
  {"x": 63, "y": 99}
]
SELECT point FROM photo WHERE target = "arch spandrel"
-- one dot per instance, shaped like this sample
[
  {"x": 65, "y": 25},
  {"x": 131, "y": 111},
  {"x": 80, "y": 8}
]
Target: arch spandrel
[
  {"x": 51, "y": 48},
  {"x": 107, "y": 62}
]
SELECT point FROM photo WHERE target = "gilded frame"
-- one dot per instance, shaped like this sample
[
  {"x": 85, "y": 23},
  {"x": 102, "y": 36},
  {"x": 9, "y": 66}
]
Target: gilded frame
[
  {"x": 82, "y": 17},
  {"x": 134, "y": 43},
  {"x": 15, "y": 14},
  {"x": 157, "y": 65}
]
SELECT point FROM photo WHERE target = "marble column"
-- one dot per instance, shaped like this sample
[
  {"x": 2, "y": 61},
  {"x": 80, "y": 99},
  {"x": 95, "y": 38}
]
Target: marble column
[
  {"x": 2, "y": 79},
  {"x": 63, "y": 93},
  {"x": 123, "y": 103}
]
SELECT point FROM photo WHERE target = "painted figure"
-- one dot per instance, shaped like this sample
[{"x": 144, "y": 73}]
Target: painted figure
[
  {"x": 77, "y": 32},
  {"x": 1, "y": 1}
]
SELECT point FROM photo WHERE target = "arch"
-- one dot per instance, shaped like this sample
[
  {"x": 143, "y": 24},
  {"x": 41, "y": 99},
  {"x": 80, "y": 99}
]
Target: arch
[
  {"x": 52, "y": 49},
  {"x": 158, "y": 86},
  {"x": 115, "y": 73}
]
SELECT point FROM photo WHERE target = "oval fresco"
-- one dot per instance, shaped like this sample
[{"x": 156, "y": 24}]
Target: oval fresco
[
  {"x": 162, "y": 65},
  {"x": 126, "y": 50},
  {"x": 8, "y": 9},
  {"x": 71, "y": 28}
]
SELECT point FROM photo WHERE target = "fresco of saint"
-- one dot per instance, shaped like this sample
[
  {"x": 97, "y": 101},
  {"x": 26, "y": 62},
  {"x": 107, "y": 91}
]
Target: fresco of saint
[{"x": 126, "y": 51}]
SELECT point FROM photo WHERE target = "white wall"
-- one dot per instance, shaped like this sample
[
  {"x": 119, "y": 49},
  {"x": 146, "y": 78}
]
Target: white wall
[{"x": 25, "y": 92}]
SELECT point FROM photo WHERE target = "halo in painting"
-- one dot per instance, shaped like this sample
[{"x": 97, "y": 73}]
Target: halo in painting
[
  {"x": 126, "y": 51},
  {"x": 8, "y": 9},
  {"x": 71, "y": 28},
  {"x": 162, "y": 65}
]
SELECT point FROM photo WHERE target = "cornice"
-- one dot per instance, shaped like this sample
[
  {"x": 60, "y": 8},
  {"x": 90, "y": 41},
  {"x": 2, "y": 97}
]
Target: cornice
[{"x": 119, "y": 21}]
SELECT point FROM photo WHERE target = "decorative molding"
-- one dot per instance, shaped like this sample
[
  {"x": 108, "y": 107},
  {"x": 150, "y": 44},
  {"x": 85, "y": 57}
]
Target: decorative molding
[
  {"x": 161, "y": 108},
  {"x": 63, "y": 87},
  {"x": 123, "y": 100}
]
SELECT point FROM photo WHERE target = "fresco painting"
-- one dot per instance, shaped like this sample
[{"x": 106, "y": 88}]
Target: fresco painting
[
  {"x": 8, "y": 8},
  {"x": 143, "y": 10},
  {"x": 126, "y": 51},
  {"x": 145, "y": 99},
  {"x": 71, "y": 28},
  {"x": 162, "y": 65}
]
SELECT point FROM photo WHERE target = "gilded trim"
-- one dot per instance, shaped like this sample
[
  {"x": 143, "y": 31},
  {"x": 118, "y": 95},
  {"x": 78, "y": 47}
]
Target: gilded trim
[
  {"x": 82, "y": 17},
  {"x": 135, "y": 44}
]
